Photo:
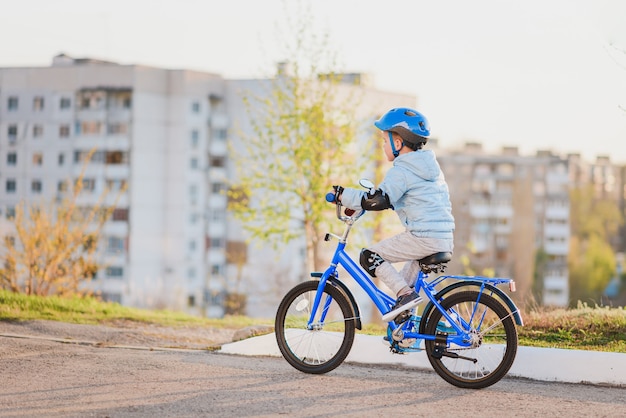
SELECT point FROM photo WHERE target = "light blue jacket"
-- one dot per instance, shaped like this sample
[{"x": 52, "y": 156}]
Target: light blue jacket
[{"x": 418, "y": 192}]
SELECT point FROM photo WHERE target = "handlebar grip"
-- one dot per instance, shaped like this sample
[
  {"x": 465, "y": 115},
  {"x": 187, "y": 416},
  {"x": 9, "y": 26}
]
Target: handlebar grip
[{"x": 330, "y": 197}]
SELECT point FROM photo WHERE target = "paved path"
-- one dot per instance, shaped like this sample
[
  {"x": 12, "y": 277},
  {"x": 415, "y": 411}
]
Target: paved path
[{"x": 46, "y": 378}]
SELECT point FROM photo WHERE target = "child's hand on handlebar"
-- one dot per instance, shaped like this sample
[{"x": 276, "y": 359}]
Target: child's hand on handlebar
[{"x": 335, "y": 195}]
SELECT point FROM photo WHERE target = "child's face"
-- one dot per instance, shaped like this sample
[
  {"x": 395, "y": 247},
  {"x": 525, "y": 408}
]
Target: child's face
[{"x": 387, "y": 145}]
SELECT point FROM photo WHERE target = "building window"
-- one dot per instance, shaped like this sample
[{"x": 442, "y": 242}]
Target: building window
[
  {"x": 195, "y": 107},
  {"x": 195, "y": 137},
  {"x": 61, "y": 159},
  {"x": 217, "y": 188},
  {"x": 120, "y": 214},
  {"x": 193, "y": 193},
  {"x": 216, "y": 269},
  {"x": 96, "y": 157},
  {"x": 91, "y": 128},
  {"x": 114, "y": 272},
  {"x": 65, "y": 103},
  {"x": 116, "y": 157},
  {"x": 115, "y": 185},
  {"x": 192, "y": 246},
  {"x": 221, "y": 134},
  {"x": 12, "y": 103},
  {"x": 12, "y": 158},
  {"x": 12, "y": 133},
  {"x": 91, "y": 99},
  {"x": 62, "y": 186},
  {"x": 88, "y": 185},
  {"x": 10, "y": 213},
  {"x": 115, "y": 245},
  {"x": 37, "y": 131},
  {"x": 117, "y": 128},
  {"x": 64, "y": 131},
  {"x": 217, "y": 161},
  {"x": 11, "y": 186},
  {"x": 38, "y": 103},
  {"x": 38, "y": 159},
  {"x": 193, "y": 163},
  {"x": 35, "y": 186},
  {"x": 218, "y": 216},
  {"x": 216, "y": 243}
]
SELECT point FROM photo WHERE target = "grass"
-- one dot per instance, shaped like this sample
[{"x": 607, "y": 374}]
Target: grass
[
  {"x": 15, "y": 306},
  {"x": 583, "y": 328}
]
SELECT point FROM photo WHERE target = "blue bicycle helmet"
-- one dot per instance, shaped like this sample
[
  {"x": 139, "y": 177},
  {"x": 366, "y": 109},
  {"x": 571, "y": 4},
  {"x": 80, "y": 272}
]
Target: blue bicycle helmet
[{"x": 410, "y": 124}]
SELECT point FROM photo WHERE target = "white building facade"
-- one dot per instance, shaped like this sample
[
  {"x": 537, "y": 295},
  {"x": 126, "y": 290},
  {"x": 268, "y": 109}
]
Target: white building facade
[{"x": 161, "y": 134}]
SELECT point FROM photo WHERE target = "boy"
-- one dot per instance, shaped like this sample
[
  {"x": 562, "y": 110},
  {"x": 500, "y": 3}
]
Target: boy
[{"x": 416, "y": 190}]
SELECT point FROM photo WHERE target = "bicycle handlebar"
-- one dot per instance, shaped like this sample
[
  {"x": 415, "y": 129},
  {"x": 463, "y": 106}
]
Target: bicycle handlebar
[{"x": 349, "y": 214}]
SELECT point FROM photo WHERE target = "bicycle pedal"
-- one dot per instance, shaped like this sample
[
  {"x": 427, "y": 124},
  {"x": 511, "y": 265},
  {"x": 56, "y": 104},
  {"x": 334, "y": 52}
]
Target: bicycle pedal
[
  {"x": 407, "y": 342},
  {"x": 402, "y": 318},
  {"x": 407, "y": 308},
  {"x": 396, "y": 350}
]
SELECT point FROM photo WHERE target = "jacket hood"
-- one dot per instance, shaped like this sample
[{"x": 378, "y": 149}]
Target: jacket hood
[{"x": 421, "y": 162}]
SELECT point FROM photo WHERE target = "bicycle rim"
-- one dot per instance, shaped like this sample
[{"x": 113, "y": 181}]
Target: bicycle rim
[{"x": 494, "y": 337}]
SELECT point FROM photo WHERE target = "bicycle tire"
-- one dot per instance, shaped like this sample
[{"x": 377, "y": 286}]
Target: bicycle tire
[
  {"x": 491, "y": 355},
  {"x": 323, "y": 346}
]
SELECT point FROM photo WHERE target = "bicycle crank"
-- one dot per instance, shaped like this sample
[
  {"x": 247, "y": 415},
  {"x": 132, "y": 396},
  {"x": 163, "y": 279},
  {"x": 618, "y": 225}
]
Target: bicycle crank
[{"x": 454, "y": 355}]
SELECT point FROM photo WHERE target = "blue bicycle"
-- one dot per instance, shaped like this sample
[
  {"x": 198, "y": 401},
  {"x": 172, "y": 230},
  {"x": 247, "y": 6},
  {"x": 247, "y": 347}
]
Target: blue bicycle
[{"x": 468, "y": 326}]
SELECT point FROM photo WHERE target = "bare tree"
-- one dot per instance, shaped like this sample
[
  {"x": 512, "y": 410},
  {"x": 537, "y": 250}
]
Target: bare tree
[{"x": 54, "y": 249}]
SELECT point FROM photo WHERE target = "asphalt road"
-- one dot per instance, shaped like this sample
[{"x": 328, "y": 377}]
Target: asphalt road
[{"x": 52, "y": 379}]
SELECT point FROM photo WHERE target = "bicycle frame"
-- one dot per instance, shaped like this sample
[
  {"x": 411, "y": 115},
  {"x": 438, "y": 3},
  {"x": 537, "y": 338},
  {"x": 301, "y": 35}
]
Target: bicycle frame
[{"x": 383, "y": 301}]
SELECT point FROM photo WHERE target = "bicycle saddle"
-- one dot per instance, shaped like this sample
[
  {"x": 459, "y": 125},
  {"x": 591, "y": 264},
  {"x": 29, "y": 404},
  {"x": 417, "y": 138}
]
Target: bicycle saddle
[{"x": 434, "y": 262}]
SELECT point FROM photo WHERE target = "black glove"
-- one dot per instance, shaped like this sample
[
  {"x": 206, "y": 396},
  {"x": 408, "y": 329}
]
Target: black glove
[{"x": 338, "y": 191}]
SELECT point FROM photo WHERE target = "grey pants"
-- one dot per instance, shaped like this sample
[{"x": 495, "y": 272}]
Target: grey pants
[{"x": 405, "y": 247}]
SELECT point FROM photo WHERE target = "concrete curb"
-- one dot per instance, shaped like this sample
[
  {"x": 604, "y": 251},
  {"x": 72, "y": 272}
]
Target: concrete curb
[{"x": 544, "y": 364}]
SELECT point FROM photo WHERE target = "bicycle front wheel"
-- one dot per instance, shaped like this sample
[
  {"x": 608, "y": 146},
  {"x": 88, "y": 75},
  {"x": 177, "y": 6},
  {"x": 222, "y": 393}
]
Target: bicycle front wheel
[
  {"x": 491, "y": 346},
  {"x": 323, "y": 345}
]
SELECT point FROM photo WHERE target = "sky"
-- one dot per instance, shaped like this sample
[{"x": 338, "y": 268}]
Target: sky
[{"x": 536, "y": 74}]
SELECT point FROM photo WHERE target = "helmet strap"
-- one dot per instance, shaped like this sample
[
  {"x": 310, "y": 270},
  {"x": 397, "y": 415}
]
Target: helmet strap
[{"x": 393, "y": 146}]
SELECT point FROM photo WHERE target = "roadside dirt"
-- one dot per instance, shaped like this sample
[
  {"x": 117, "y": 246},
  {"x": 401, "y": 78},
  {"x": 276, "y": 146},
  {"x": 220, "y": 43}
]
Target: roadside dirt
[{"x": 121, "y": 333}]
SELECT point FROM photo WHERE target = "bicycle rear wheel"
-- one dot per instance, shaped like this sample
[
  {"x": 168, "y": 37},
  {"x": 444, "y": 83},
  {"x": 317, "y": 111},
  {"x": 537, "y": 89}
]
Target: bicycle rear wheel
[
  {"x": 323, "y": 345},
  {"x": 493, "y": 339}
]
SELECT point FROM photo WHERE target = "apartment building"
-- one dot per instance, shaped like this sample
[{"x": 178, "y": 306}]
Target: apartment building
[
  {"x": 161, "y": 135},
  {"x": 510, "y": 209}
]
